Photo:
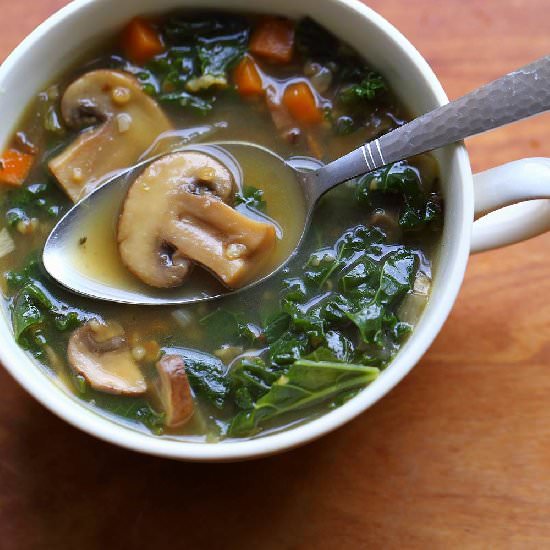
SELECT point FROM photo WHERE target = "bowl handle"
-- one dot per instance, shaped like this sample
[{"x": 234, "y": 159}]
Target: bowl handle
[{"x": 526, "y": 182}]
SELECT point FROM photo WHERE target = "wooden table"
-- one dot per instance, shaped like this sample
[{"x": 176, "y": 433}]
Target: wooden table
[{"x": 458, "y": 455}]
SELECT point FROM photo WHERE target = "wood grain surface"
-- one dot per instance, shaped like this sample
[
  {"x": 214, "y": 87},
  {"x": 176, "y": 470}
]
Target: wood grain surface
[{"x": 457, "y": 456}]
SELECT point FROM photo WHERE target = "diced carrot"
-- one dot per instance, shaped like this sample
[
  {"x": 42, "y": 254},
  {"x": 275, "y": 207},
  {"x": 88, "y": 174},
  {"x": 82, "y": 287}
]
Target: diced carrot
[
  {"x": 15, "y": 167},
  {"x": 247, "y": 77},
  {"x": 273, "y": 39},
  {"x": 140, "y": 41},
  {"x": 300, "y": 102}
]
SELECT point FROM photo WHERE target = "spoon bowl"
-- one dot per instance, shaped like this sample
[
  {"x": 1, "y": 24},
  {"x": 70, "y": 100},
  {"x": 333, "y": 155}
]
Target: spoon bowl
[{"x": 76, "y": 250}]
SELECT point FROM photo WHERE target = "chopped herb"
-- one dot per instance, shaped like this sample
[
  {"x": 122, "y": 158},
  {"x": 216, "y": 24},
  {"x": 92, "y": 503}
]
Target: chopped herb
[
  {"x": 251, "y": 197},
  {"x": 367, "y": 89}
]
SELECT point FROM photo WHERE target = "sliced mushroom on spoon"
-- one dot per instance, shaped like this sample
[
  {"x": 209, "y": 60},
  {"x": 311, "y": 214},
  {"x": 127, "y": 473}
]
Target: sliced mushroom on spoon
[
  {"x": 175, "y": 214},
  {"x": 517, "y": 95}
]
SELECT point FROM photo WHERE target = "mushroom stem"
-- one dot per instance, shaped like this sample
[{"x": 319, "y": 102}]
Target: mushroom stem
[{"x": 175, "y": 391}]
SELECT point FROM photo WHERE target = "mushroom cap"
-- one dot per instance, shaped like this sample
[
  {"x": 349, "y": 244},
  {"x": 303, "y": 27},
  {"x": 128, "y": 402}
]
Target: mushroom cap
[
  {"x": 126, "y": 122},
  {"x": 175, "y": 391},
  {"x": 106, "y": 365},
  {"x": 171, "y": 191},
  {"x": 151, "y": 203},
  {"x": 174, "y": 215}
]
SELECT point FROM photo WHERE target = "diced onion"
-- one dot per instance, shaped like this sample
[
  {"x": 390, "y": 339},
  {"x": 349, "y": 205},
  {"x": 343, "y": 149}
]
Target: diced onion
[
  {"x": 182, "y": 317},
  {"x": 124, "y": 122},
  {"x": 422, "y": 285},
  {"x": 7, "y": 246}
]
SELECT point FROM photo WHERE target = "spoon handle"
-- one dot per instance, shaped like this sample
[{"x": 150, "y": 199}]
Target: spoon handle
[{"x": 517, "y": 95}]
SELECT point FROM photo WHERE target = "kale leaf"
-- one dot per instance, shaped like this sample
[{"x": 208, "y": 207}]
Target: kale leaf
[
  {"x": 307, "y": 383},
  {"x": 396, "y": 279},
  {"x": 33, "y": 201},
  {"x": 418, "y": 209},
  {"x": 206, "y": 374},
  {"x": 36, "y": 314},
  {"x": 135, "y": 409},
  {"x": 200, "y": 52},
  {"x": 367, "y": 89},
  {"x": 250, "y": 379},
  {"x": 276, "y": 326},
  {"x": 185, "y": 99}
]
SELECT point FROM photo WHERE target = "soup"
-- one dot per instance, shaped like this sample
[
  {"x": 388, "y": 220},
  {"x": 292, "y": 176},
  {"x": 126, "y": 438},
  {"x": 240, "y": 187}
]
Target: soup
[{"x": 290, "y": 349}]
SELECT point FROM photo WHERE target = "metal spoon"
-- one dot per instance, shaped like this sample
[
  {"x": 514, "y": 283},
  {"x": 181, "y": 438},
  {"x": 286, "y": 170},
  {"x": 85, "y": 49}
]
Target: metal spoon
[{"x": 518, "y": 95}]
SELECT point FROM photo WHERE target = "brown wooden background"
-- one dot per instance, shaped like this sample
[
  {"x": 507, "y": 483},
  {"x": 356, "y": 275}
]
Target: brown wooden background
[{"x": 457, "y": 456}]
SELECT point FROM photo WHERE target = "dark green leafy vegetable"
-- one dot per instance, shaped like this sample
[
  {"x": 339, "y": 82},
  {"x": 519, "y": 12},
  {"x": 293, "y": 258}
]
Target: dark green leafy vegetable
[
  {"x": 288, "y": 348},
  {"x": 36, "y": 313},
  {"x": 276, "y": 326},
  {"x": 199, "y": 53},
  {"x": 251, "y": 197},
  {"x": 206, "y": 374},
  {"x": 219, "y": 50},
  {"x": 307, "y": 382},
  {"x": 135, "y": 409},
  {"x": 185, "y": 99},
  {"x": 367, "y": 89},
  {"x": 310, "y": 358},
  {"x": 250, "y": 379},
  {"x": 313, "y": 40},
  {"x": 396, "y": 279},
  {"x": 402, "y": 180},
  {"x": 33, "y": 201}
]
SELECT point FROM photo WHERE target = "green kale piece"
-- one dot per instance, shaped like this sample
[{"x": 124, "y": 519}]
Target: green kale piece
[
  {"x": 206, "y": 374},
  {"x": 33, "y": 308},
  {"x": 366, "y": 89},
  {"x": 219, "y": 53},
  {"x": 276, "y": 326},
  {"x": 251, "y": 197},
  {"x": 33, "y": 201},
  {"x": 312, "y": 355},
  {"x": 396, "y": 279},
  {"x": 135, "y": 409},
  {"x": 307, "y": 383},
  {"x": 321, "y": 265},
  {"x": 338, "y": 346},
  {"x": 35, "y": 313},
  {"x": 250, "y": 379},
  {"x": 215, "y": 43},
  {"x": 418, "y": 207},
  {"x": 185, "y": 99},
  {"x": 288, "y": 348}
]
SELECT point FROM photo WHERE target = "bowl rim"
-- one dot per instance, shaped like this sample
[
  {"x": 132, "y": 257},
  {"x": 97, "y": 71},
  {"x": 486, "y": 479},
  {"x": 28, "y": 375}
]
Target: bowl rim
[{"x": 84, "y": 418}]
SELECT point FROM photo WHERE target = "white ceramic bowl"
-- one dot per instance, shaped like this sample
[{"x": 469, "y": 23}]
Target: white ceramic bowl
[{"x": 57, "y": 42}]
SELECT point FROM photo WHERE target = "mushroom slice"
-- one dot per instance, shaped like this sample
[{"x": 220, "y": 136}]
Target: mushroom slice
[
  {"x": 127, "y": 120},
  {"x": 171, "y": 214},
  {"x": 99, "y": 352},
  {"x": 175, "y": 391}
]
